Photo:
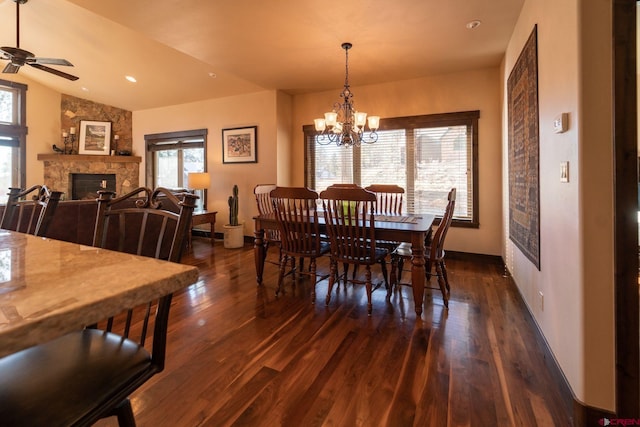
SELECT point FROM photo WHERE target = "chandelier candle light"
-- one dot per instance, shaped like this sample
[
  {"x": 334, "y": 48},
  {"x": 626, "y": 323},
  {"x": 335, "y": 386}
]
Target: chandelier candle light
[{"x": 344, "y": 125}]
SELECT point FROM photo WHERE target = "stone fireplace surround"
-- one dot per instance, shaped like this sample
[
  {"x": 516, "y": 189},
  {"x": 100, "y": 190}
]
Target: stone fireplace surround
[{"x": 58, "y": 169}]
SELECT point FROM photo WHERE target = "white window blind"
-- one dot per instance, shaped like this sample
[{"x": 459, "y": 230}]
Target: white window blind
[{"x": 426, "y": 155}]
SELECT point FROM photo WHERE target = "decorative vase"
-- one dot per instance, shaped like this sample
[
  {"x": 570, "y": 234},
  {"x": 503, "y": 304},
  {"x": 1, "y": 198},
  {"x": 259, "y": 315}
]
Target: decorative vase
[{"x": 233, "y": 236}]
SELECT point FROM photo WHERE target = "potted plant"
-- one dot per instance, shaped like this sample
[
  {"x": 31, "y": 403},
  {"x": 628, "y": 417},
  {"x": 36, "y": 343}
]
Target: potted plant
[{"x": 233, "y": 231}]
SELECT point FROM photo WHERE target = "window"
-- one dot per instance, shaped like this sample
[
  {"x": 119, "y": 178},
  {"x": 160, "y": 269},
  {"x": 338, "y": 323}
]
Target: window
[
  {"x": 13, "y": 135},
  {"x": 426, "y": 155},
  {"x": 171, "y": 156}
]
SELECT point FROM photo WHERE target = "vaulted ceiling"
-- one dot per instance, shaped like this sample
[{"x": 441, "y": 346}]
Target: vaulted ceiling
[{"x": 183, "y": 51}]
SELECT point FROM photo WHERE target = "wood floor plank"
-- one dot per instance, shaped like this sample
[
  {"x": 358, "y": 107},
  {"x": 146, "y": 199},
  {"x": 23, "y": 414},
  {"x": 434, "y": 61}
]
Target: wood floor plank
[{"x": 239, "y": 355}]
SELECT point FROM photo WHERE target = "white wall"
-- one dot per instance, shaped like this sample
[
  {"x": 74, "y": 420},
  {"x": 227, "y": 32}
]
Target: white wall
[
  {"x": 247, "y": 110},
  {"x": 576, "y": 265},
  {"x": 473, "y": 90}
]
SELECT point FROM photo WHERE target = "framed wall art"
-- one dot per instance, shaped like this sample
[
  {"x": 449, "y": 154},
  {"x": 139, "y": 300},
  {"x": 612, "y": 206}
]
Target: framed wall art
[
  {"x": 240, "y": 145},
  {"x": 95, "y": 138},
  {"x": 524, "y": 152}
]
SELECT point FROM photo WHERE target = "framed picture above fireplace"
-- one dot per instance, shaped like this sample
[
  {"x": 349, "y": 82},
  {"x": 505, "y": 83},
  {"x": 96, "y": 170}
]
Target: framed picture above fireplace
[{"x": 95, "y": 138}]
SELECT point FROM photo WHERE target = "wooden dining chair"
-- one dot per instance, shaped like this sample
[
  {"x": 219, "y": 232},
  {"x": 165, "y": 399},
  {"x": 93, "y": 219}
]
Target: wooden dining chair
[
  {"x": 389, "y": 198},
  {"x": 389, "y": 201},
  {"x": 349, "y": 217},
  {"x": 434, "y": 253},
  {"x": 30, "y": 211},
  {"x": 87, "y": 375},
  {"x": 262, "y": 193},
  {"x": 297, "y": 215}
]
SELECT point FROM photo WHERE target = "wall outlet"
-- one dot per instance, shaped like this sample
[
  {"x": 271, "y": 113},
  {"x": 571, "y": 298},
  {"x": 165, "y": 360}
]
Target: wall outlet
[{"x": 541, "y": 300}]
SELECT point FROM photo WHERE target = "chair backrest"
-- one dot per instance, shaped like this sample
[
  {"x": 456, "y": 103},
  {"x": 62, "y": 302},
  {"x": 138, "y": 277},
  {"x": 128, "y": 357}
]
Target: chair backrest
[
  {"x": 263, "y": 197},
  {"x": 144, "y": 222},
  {"x": 148, "y": 223},
  {"x": 390, "y": 198},
  {"x": 30, "y": 211},
  {"x": 297, "y": 215},
  {"x": 437, "y": 244},
  {"x": 265, "y": 206},
  {"x": 349, "y": 217},
  {"x": 344, "y": 186}
]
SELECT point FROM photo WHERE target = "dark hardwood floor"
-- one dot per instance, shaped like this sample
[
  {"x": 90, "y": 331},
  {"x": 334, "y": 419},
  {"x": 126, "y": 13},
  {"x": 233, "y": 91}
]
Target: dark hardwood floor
[{"x": 237, "y": 355}]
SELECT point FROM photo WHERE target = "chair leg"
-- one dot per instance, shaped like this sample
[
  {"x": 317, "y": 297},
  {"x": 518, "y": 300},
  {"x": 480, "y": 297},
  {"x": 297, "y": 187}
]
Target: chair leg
[
  {"x": 446, "y": 279},
  {"x": 427, "y": 268},
  {"x": 333, "y": 274},
  {"x": 393, "y": 285},
  {"x": 441, "y": 282},
  {"x": 293, "y": 268},
  {"x": 367, "y": 276},
  {"x": 346, "y": 272},
  {"x": 265, "y": 245},
  {"x": 283, "y": 266},
  {"x": 312, "y": 271},
  {"x": 400, "y": 268},
  {"x": 383, "y": 266},
  {"x": 125, "y": 414}
]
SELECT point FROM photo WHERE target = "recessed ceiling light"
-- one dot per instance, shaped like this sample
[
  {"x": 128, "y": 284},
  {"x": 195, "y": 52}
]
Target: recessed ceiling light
[
  {"x": 131, "y": 79},
  {"x": 213, "y": 75},
  {"x": 85, "y": 89},
  {"x": 473, "y": 24}
]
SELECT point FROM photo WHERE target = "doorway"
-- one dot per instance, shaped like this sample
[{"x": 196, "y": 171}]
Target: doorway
[{"x": 626, "y": 272}]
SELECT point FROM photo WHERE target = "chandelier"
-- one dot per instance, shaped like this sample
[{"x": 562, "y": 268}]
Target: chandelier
[{"x": 344, "y": 125}]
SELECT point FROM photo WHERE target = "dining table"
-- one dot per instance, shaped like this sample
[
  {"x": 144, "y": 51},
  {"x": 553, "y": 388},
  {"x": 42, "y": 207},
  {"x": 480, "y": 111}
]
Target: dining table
[
  {"x": 410, "y": 228},
  {"x": 50, "y": 287}
]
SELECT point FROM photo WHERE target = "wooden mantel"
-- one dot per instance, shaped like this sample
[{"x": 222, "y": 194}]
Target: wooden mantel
[{"x": 88, "y": 158}]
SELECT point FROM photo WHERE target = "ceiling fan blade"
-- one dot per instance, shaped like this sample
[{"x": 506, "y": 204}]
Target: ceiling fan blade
[
  {"x": 50, "y": 61},
  {"x": 11, "y": 68},
  {"x": 53, "y": 71}
]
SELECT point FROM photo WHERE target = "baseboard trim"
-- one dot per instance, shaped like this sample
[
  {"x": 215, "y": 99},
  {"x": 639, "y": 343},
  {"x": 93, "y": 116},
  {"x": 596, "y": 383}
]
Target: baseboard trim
[
  {"x": 470, "y": 256},
  {"x": 580, "y": 414},
  {"x": 220, "y": 236},
  {"x": 584, "y": 415}
]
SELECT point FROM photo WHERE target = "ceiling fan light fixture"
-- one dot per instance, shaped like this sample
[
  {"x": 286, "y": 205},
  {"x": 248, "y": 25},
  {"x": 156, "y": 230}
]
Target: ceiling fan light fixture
[{"x": 19, "y": 57}]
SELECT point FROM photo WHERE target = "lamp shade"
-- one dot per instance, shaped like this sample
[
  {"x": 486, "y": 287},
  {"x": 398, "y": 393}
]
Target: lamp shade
[{"x": 198, "y": 180}]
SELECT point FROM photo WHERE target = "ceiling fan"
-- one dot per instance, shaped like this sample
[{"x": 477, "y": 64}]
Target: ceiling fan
[{"x": 19, "y": 57}]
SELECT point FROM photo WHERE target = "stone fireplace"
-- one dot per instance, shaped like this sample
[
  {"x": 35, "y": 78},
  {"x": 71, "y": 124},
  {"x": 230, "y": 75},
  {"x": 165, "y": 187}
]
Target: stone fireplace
[{"x": 59, "y": 171}]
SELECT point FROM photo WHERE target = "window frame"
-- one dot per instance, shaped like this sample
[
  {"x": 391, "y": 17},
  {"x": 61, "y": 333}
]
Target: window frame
[
  {"x": 17, "y": 131},
  {"x": 173, "y": 141},
  {"x": 466, "y": 118}
]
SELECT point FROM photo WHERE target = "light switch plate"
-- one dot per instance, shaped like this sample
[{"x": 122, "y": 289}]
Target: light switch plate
[
  {"x": 564, "y": 171},
  {"x": 561, "y": 123}
]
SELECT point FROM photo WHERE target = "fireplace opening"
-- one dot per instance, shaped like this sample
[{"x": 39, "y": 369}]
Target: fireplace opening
[{"x": 85, "y": 186}]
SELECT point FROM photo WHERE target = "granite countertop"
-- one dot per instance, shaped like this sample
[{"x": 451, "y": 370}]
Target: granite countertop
[{"x": 49, "y": 287}]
